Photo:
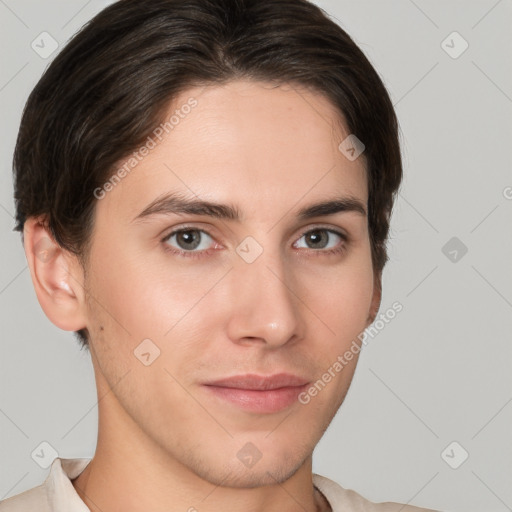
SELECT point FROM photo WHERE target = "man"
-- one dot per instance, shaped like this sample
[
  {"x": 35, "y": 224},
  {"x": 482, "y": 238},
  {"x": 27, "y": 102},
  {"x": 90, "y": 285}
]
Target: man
[{"x": 204, "y": 189}]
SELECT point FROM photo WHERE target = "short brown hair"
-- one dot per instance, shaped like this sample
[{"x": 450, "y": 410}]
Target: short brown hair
[{"x": 110, "y": 86}]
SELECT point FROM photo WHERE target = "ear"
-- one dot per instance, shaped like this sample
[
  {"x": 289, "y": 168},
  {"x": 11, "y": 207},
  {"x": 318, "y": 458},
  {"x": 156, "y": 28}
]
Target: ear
[
  {"x": 57, "y": 277},
  {"x": 376, "y": 298}
]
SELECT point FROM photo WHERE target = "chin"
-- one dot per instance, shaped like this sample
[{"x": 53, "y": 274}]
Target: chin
[
  {"x": 233, "y": 473},
  {"x": 245, "y": 478}
]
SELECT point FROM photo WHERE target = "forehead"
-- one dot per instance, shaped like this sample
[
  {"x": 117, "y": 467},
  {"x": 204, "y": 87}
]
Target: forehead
[{"x": 262, "y": 146}]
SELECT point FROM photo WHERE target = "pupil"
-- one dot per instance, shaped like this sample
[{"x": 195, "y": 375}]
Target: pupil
[
  {"x": 316, "y": 236},
  {"x": 188, "y": 238}
]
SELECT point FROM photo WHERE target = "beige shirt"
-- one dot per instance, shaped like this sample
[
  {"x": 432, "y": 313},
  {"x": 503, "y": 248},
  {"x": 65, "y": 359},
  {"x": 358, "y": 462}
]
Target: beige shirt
[{"x": 57, "y": 494}]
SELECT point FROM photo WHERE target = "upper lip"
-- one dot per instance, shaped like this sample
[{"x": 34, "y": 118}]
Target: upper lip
[{"x": 259, "y": 382}]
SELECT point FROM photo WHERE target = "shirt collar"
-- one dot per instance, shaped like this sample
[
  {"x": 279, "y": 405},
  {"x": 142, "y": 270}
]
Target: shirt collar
[{"x": 62, "y": 496}]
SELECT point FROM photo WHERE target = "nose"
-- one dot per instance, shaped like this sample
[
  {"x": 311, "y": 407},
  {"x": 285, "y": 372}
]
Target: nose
[{"x": 264, "y": 306}]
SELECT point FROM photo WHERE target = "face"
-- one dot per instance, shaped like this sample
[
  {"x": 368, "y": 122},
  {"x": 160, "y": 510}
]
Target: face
[{"x": 178, "y": 300}]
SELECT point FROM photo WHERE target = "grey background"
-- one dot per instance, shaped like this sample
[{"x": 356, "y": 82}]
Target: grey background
[{"x": 440, "y": 371}]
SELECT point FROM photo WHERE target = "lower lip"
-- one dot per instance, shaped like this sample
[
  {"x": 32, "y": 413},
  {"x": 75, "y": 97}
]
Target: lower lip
[{"x": 269, "y": 401}]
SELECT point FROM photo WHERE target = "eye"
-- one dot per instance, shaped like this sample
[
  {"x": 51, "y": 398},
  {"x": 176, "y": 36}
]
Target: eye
[
  {"x": 322, "y": 238},
  {"x": 187, "y": 241}
]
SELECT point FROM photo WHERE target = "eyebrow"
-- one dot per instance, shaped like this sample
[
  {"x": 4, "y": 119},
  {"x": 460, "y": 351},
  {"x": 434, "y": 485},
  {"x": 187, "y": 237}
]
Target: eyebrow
[{"x": 174, "y": 203}]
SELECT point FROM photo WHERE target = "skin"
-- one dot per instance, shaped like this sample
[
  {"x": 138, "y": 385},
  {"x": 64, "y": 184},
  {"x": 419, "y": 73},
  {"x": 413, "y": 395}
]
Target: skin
[{"x": 165, "y": 444}]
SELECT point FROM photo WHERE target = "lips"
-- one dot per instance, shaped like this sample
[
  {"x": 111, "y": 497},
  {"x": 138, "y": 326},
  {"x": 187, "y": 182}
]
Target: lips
[
  {"x": 260, "y": 383},
  {"x": 257, "y": 393}
]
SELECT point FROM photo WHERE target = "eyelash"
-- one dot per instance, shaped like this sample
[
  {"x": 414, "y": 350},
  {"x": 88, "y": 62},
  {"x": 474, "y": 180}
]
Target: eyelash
[{"x": 201, "y": 254}]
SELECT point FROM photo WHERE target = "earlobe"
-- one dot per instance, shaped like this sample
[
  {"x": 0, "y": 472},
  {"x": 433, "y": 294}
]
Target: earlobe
[{"x": 57, "y": 279}]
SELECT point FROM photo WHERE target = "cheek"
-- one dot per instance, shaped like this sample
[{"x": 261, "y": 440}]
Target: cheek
[
  {"x": 341, "y": 296},
  {"x": 149, "y": 296}
]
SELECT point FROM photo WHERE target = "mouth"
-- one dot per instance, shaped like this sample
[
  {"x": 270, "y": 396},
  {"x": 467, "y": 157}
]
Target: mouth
[{"x": 259, "y": 394}]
